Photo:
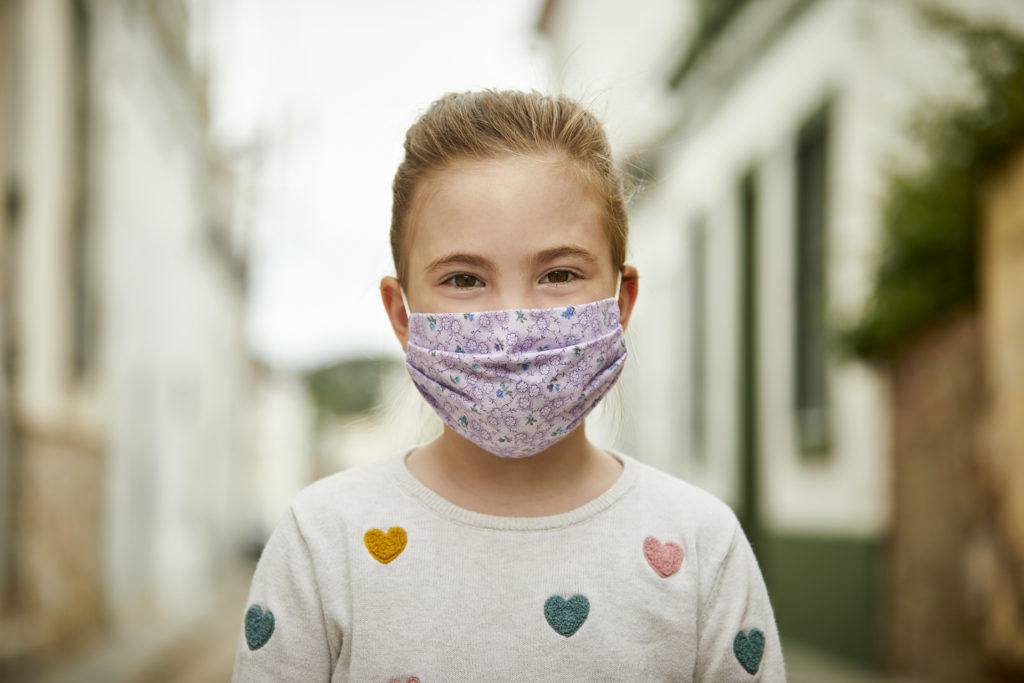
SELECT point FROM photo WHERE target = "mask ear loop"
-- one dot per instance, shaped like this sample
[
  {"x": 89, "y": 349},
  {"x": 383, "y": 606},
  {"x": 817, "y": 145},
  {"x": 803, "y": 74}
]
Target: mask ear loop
[{"x": 405, "y": 301}]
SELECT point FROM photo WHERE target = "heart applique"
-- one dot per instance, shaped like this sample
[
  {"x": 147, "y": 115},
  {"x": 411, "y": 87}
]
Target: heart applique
[
  {"x": 259, "y": 626},
  {"x": 664, "y": 558},
  {"x": 408, "y": 680},
  {"x": 566, "y": 616},
  {"x": 385, "y": 547},
  {"x": 749, "y": 648}
]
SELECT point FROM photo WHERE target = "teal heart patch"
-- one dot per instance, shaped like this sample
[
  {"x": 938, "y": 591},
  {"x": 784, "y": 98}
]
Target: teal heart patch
[
  {"x": 566, "y": 616},
  {"x": 749, "y": 648},
  {"x": 259, "y": 626}
]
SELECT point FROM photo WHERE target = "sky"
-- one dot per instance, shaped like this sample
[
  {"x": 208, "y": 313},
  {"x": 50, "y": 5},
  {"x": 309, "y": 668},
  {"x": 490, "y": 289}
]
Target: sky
[{"x": 314, "y": 97}]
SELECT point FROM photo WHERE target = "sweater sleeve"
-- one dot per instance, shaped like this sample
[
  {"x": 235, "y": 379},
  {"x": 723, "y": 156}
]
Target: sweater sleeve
[
  {"x": 737, "y": 638},
  {"x": 284, "y": 636}
]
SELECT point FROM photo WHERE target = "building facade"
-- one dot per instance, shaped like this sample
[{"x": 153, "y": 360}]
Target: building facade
[
  {"x": 125, "y": 376},
  {"x": 762, "y": 134}
]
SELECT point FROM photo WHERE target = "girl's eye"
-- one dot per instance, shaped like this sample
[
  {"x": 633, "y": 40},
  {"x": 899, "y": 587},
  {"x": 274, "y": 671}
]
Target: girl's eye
[
  {"x": 464, "y": 281},
  {"x": 560, "y": 276}
]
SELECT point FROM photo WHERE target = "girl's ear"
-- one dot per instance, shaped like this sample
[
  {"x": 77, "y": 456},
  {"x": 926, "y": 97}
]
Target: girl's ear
[
  {"x": 628, "y": 290},
  {"x": 391, "y": 294}
]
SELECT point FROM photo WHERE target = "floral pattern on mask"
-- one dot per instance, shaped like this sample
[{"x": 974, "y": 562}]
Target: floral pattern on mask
[{"x": 516, "y": 381}]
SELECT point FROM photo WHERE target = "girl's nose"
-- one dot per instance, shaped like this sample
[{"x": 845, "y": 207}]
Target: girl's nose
[{"x": 517, "y": 298}]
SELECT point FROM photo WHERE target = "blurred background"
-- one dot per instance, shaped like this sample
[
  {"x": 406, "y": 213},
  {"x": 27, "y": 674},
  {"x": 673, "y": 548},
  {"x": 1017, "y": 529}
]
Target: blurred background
[{"x": 828, "y": 219}]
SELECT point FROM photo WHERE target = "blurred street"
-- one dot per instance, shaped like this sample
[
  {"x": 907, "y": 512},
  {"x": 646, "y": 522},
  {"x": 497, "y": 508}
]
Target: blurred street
[{"x": 197, "y": 650}]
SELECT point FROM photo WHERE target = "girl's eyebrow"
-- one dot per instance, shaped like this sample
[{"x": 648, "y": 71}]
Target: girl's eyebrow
[
  {"x": 556, "y": 253},
  {"x": 471, "y": 260}
]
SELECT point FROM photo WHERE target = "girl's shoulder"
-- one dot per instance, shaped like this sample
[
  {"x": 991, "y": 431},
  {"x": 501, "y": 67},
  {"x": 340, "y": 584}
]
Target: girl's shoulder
[
  {"x": 350, "y": 489},
  {"x": 674, "y": 500}
]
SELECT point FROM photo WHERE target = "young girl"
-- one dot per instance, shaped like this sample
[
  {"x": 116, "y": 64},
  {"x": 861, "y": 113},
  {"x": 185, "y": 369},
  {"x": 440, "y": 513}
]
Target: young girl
[{"x": 509, "y": 548}]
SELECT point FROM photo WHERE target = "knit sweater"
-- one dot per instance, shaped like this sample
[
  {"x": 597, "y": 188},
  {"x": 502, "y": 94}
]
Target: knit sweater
[{"x": 371, "y": 576}]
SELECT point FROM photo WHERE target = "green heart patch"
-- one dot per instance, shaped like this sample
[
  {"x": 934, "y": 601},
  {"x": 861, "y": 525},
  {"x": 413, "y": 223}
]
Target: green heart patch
[
  {"x": 259, "y": 626},
  {"x": 749, "y": 648},
  {"x": 566, "y": 616}
]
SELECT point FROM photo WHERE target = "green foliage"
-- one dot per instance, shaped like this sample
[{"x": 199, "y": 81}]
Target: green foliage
[
  {"x": 928, "y": 264},
  {"x": 349, "y": 386}
]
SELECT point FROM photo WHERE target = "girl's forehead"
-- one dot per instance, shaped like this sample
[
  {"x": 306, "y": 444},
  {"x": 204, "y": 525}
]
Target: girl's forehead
[
  {"x": 510, "y": 203},
  {"x": 548, "y": 169}
]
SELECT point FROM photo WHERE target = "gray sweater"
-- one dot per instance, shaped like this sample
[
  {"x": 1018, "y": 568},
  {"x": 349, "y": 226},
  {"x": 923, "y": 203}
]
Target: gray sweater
[{"x": 371, "y": 576}]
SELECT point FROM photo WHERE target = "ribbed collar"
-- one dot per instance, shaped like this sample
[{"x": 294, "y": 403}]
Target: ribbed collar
[{"x": 401, "y": 475}]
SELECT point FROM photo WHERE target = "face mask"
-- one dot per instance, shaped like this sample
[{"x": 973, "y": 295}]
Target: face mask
[{"x": 515, "y": 382}]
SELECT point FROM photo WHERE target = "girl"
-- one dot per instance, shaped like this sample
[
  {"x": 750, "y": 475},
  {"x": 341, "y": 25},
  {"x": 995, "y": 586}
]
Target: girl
[{"x": 509, "y": 548}]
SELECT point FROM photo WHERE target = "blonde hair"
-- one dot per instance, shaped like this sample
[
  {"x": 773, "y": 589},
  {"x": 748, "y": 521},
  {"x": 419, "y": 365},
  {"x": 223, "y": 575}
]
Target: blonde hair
[{"x": 490, "y": 124}]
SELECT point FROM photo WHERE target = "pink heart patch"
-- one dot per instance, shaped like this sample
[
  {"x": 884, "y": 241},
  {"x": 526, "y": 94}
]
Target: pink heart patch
[{"x": 664, "y": 558}]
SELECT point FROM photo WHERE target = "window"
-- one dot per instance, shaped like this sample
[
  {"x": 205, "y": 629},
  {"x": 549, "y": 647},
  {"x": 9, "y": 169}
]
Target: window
[
  {"x": 813, "y": 417},
  {"x": 713, "y": 15},
  {"x": 83, "y": 317},
  {"x": 749, "y": 352}
]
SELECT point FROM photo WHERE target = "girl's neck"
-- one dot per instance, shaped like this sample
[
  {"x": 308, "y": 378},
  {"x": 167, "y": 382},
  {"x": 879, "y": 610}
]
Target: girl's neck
[{"x": 567, "y": 475}]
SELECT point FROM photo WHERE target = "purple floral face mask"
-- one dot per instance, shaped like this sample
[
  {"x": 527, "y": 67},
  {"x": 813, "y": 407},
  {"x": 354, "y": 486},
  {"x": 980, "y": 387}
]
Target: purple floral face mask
[{"x": 515, "y": 382}]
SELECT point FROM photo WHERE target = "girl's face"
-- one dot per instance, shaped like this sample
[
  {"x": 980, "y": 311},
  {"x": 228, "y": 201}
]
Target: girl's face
[{"x": 508, "y": 233}]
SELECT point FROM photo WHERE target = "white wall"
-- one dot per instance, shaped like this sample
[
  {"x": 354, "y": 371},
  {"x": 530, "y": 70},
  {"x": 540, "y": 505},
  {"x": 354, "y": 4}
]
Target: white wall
[
  {"x": 756, "y": 126},
  {"x": 42, "y": 152},
  {"x": 173, "y": 356}
]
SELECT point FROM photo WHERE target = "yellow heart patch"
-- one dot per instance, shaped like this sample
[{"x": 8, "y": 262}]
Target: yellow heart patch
[{"x": 385, "y": 547}]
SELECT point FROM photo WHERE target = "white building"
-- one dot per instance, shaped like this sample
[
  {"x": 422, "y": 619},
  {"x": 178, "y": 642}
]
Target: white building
[
  {"x": 763, "y": 132},
  {"x": 122, "y": 304}
]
